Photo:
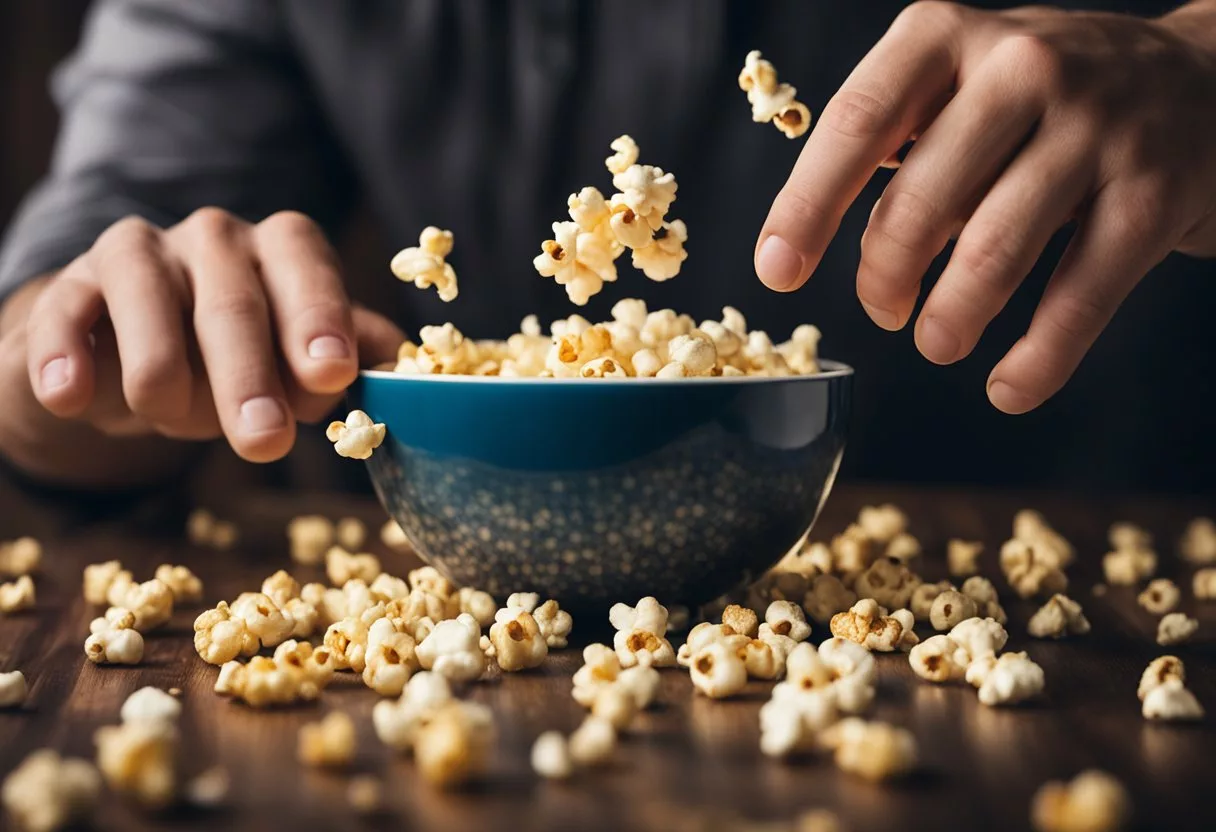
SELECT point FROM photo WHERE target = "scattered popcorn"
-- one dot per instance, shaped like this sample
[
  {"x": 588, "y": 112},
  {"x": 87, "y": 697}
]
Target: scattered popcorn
[
  {"x": 1204, "y": 584},
  {"x": 328, "y": 743},
  {"x": 888, "y": 582},
  {"x": 1129, "y": 536},
  {"x": 264, "y": 683},
  {"x": 453, "y": 651},
  {"x": 1171, "y": 701},
  {"x": 1031, "y": 528},
  {"x": 846, "y": 669},
  {"x": 771, "y": 101},
  {"x": 741, "y": 620},
  {"x": 397, "y": 722},
  {"x": 365, "y": 795},
  {"x": 391, "y": 658},
  {"x": 281, "y": 588},
  {"x": 1093, "y": 802},
  {"x": 615, "y": 705},
  {"x": 1032, "y": 568},
  {"x": 13, "y": 689},
  {"x": 1059, "y": 617},
  {"x": 185, "y": 585},
  {"x": 393, "y": 536},
  {"x": 921, "y": 602},
  {"x": 219, "y": 636},
  {"x": 357, "y": 437},
  {"x": 640, "y": 631},
  {"x": 205, "y": 530},
  {"x": 209, "y": 789},
  {"x": 517, "y": 641},
  {"x": 1127, "y": 567},
  {"x": 601, "y": 668},
  {"x": 776, "y": 585},
  {"x": 983, "y": 593},
  {"x": 114, "y": 639},
  {"x": 342, "y": 566},
  {"x": 718, "y": 671},
  {"x": 20, "y": 557},
  {"x": 453, "y": 745},
  {"x": 316, "y": 663},
  {"x": 951, "y": 608},
  {"x": 1160, "y": 596},
  {"x": 867, "y": 623},
  {"x": 826, "y": 597},
  {"x": 1161, "y": 670},
  {"x": 555, "y": 623},
  {"x": 875, "y": 751},
  {"x": 1176, "y": 628},
  {"x": 17, "y": 596},
  {"x": 979, "y": 638},
  {"x": 551, "y": 756},
  {"x": 151, "y": 602},
  {"x": 1008, "y": 680},
  {"x": 263, "y": 618},
  {"x": 784, "y": 618},
  {"x": 47, "y": 792},
  {"x": 592, "y": 743},
  {"x": 962, "y": 557},
  {"x": 790, "y": 722},
  {"x": 939, "y": 659},
  {"x": 426, "y": 265},
  {"x": 138, "y": 759},
  {"x": 97, "y": 580},
  {"x": 310, "y": 537},
  {"x": 151, "y": 704},
  {"x": 1198, "y": 544}
]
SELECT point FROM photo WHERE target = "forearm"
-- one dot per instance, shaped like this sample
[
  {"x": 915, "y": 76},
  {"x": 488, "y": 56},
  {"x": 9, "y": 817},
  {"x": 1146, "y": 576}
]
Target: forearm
[{"x": 67, "y": 452}]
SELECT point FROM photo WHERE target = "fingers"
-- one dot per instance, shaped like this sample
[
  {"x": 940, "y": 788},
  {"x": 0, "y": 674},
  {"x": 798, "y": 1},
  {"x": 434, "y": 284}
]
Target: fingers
[
  {"x": 143, "y": 296},
  {"x": 308, "y": 303},
  {"x": 379, "y": 338},
  {"x": 896, "y": 88},
  {"x": 1123, "y": 236},
  {"x": 1036, "y": 195},
  {"x": 60, "y": 356},
  {"x": 942, "y": 178},
  {"x": 232, "y": 324}
]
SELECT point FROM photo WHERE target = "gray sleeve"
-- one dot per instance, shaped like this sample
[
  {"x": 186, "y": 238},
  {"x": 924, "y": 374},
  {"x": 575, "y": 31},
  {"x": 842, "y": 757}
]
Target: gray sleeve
[{"x": 168, "y": 106}]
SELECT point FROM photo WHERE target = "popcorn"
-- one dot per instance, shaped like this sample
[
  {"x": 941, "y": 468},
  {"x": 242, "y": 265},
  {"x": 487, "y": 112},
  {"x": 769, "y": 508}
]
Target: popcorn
[
  {"x": 425, "y": 265},
  {"x": 1204, "y": 585},
  {"x": 983, "y": 593},
  {"x": 347, "y": 642},
  {"x": 592, "y": 743},
  {"x": 1161, "y": 670},
  {"x": 784, "y": 618},
  {"x": 1059, "y": 617},
  {"x": 625, "y": 157},
  {"x": 1160, "y": 596},
  {"x": 47, "y": 792},
  {"x": 875, "y": 751},
  {"x": 1031, "y": 528},
  {"x": 1127, "y": 567},
  {"x": 397, "y": 722},
  {"x": 601, "y": 668},
  {"x": 888, "y": 582},
  {"x": 826, "y": 597},
  {"x": 1198, "y": 544},
  {"x": 961, "y": 557},
  {"x": 20, "y": 557},
  {"x": 771, "y": 101},
  {"x": 17, "y": 596},
  {"x": 97, "y": 580},
  {"x": 939, "y": 659},
  {"x": 481, "y": 606},
  {"x": 867, "y": 623},
  {"x": 853, "y": 550},
  {"x": 741, "y": 620},
  {"x": 718, "y": 671},
  {"x": 979, "y": 638},
  {"x": 692, "y": 355},
  {"x": 263, "y": 618},
  {"x": 1129, "y": 536},
  {"x": 364, "y": 794},
  {"x": 452, "y": 650},
  {"x": 846, "y": 669},
  {"x": 114, "y": 639},
  {"x": 642, "y": 683},
  {"x": 210, "y": 788},
  {"x": 281, "y": 588},
  {"x": 1093, "y": 802},
  {"x": 1171, "y": 701},
  {"x": 662, "y": 259},
  {"x": 640, "y": 631},
  {"x": 1010, "y": 679},
  {"x": 555, "y": 623},
  {"x": 342, "y": 566},
  {"x": 316, "y": 663},
  {"x": 356, "y": 437},
  {"x": 310, "y": 537},
  {"x": 184, "y": 584},
  {"x": 220, "y": 637},
  {"x": 13, "y": 689},
  {"x": 151, "y": 602},
  {"x": 391, "y": 658},
  {"x": 1032, "y": 568},
  {"x": 205, "y": 530},
  {"x": 138, "y": 759},
  {"x": 1176, "y": 628},
  {"x": 616, "y": 706},
  {"x": 151, "y": 704},
  {"x": 517, "y": 641},
  {"x": 791, "y": 720},
  {"x": 393, "y": 536},
  {"x": 603, "y": 367},
  {"x": 579, "y": 260},
  {"x": 264, "y": 683},
  {"x": 921, "y": 602},
  {"x": 453, "y": 745},
  {"x": 551, "y": 756},
  {"x": 328, "y": 743}
]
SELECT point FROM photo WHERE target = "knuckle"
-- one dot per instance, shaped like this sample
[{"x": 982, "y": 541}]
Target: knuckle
[
  {"x": 857, "y": 114},
  {"x": 799, "y": 209},
  {"x": 988, "y": 253},
  {"x": 148, "y": 381},
  {"x": 1036, "y": 59},
  {"x": 291, "y": 224},
  {"x": 129, "y": 233},
  {"x": 236, "y": 304},
  {"x": 933, "y": 13},
  {"x": 907, "y": 219},
  {"x": 1078, "y": 317},
  {"x": 1144, "y": 214},
  {"x": 212, "y": 222}
]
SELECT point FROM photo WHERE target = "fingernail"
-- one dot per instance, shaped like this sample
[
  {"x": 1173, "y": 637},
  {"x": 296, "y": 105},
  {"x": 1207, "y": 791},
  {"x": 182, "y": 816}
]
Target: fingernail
[
  {"x": 778, "y": 265},
  {"x": 54, "y": 374},
  {"x": 328, "y": 347},
  {"x": 1008, "y": 399},
  {"x": 936, "y": 342},
  {"x": 263, "y": 415},
  {"x": 884, "y": 318}
]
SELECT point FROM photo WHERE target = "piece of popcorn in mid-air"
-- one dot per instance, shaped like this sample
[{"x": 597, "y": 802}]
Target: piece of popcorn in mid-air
[
  {"x": 772, "y": 101},
  {"x": 356, "y": 437},
  {"x": 426, "y": 265}
]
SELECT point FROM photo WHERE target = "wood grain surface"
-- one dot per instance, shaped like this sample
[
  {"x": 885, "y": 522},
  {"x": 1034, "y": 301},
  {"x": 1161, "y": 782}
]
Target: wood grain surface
[{"x": 691, "y": 764}]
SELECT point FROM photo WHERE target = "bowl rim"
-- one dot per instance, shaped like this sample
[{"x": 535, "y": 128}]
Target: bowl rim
[{"x": 829, "y": 370}]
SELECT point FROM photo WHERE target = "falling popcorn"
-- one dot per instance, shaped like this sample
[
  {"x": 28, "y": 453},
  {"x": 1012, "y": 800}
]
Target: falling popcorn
[
  {"x": 426, "y": 265},
  {"x": 357, "y": 437},
  {"x": 771, "y": 101}
]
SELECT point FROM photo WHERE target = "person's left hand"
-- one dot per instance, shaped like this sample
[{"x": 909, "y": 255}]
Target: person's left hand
[{"x": 1023, "y": 120}]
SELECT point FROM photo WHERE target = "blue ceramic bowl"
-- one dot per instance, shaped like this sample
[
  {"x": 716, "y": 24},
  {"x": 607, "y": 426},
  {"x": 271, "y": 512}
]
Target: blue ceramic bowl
[{"x": 593, "y": 492}]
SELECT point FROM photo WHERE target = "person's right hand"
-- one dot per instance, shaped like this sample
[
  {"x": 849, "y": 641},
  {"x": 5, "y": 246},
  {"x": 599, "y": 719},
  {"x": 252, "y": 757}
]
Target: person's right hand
[{"x": 214, "y": 327}]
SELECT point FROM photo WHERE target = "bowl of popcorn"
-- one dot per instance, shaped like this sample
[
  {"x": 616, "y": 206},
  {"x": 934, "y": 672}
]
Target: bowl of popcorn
[{"x": 645, "y": 455}]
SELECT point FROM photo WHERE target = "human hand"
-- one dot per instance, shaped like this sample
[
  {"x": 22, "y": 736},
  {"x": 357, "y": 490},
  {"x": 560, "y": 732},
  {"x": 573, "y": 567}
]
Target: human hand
[
  {"x": 214, "y": 327},
  {"x": 1023, "y": 120}
]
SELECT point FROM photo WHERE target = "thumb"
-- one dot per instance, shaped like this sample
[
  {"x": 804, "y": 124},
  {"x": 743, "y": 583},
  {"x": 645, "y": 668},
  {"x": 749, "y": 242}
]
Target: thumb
[{"x": 378, "y": 337}]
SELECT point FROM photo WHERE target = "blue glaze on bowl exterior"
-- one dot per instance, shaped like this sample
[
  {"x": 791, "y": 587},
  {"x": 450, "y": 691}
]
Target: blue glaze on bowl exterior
[{"x": 594, "y": 492}]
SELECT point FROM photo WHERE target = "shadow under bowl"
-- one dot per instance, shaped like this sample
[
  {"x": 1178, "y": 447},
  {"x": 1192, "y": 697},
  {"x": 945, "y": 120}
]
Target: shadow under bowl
[{"x": 593, "y": 492}]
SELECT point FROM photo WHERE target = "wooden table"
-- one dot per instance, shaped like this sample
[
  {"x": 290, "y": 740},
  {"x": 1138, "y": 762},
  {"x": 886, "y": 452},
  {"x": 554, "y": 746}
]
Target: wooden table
[{"x": 691, "y": 763}]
